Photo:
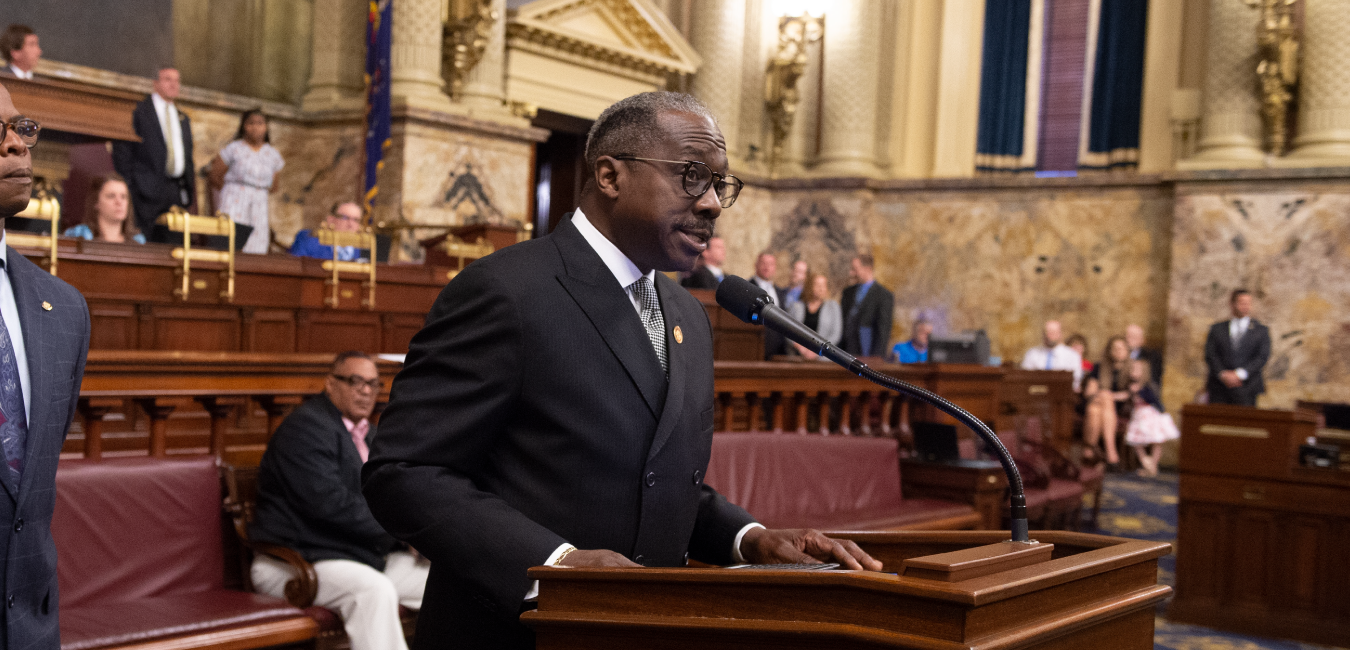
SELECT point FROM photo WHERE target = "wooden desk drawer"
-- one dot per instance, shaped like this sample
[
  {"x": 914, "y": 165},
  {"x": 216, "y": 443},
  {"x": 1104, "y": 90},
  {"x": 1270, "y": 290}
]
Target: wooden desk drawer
[{"x": 1275, "y": 495}]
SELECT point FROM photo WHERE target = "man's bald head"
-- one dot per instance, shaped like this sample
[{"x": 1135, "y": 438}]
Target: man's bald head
[
  {"x": 1134, "y": 336},
  {"x": 1054, "y": 333},
  {"x": 16, "y": 164}
]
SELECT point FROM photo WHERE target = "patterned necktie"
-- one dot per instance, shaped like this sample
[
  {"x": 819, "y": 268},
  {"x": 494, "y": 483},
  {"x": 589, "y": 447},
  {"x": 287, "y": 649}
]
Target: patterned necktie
[
  {"x": 652, "y": 319},
  {"x": 13, "y": 419}
]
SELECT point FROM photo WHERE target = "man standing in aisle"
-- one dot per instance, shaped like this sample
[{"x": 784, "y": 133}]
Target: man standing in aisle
[
  {"x": 557, "y": 409},
  {"x": 867, "y": 308},
  {"x": 766, "y": 265},
  {"x": 159, "y": 168},
  {"x": 1236, "y": 352},
  {"x": 44, "y": 337}
]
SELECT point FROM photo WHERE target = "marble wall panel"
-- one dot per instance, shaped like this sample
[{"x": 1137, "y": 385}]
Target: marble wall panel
[
  {"x": 1289, "y": 248},
  {"x": 1002, "y": 260}
]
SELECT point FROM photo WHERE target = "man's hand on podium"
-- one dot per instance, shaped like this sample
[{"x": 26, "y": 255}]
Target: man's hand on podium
[
  {"x": 802, "y": 546},
  {"x": 597, "y": 558}
]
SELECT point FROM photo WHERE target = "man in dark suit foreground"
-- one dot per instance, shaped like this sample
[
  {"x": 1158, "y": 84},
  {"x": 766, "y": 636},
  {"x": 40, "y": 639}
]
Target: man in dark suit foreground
[
  {"x": 158, "y": 169},
  {"x": 1236, "y": 352},
  {"x": 868, "y": 308},
  {"x": 558, "y": 406},
  {"x": 309, "y": 500},
  {"x": 44, "y": 336}
]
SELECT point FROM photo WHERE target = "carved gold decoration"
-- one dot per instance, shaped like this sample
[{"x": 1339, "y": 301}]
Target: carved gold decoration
[
  {"x": 467, "y": 32},
  {"x": 43, "y": 206},
  {"x": 526, "y": 110},
  {"x": 652, "y": 48},
  {"x": 338, "y": 239},
  {"x": 178, "y": 220},
  {"x": 795, "y": 33},
  {"x": 1277, "y": 36}
]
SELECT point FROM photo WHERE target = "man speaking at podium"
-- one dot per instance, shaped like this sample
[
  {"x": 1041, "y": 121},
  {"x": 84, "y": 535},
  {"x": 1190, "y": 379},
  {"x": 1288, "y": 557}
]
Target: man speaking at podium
[{"x": 558, "y": 406}]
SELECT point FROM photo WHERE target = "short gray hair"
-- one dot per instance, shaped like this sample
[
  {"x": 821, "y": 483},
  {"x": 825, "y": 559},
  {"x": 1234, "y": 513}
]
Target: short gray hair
[{"x": 629, "y": 126}]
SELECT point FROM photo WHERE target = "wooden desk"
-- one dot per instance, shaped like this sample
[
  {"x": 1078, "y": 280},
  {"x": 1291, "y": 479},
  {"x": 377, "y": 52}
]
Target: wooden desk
[
  {"x": 1043, "y": 394},
  {"x": 1261, "y": 540},
  {"x": 278, "y": 304},
  {"x": 733, "y": 339}
]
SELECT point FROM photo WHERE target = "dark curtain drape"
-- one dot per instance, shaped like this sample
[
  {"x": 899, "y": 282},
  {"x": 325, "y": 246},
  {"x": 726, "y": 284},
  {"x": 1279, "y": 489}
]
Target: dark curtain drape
[
  {"x": 1117, "y": 85},
  {"x": 1003, "y": 85}
]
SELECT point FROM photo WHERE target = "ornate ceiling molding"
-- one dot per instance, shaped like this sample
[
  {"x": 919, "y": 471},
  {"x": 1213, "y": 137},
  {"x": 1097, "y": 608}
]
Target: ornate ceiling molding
[{"x": 612, "y": 35}]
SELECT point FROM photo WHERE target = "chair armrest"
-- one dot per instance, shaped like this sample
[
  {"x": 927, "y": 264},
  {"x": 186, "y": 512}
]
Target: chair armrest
[{"x": 300, "y": 590}]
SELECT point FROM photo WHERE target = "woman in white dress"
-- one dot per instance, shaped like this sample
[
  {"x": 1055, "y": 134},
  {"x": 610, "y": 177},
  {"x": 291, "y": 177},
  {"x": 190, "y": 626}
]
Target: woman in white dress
[{"x": 244, "y": 171}]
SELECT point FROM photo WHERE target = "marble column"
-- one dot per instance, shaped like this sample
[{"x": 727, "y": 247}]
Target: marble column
[
  {"x": 337, "y": 59},
  {"x": 848, "y": 142},
  {"x": 1231, "y": 126},
  {"x": 415, "y": 56},
  {"x": 718, "y": 35},
  {"x": 1324, "y": 87},
  {"x": 485, "y": 86}
]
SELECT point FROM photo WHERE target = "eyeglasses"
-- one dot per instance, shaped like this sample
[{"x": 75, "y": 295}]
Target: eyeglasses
[
  {"x": 698, "y": 177},
  {"x": 357, "y": 383},
  {"x": 26, "y": 129}
]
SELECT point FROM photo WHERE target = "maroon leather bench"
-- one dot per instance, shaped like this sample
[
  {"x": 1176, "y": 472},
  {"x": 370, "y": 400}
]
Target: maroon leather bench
[
  {"x": 140, "y": 561},
  {"x": 825, "y": 482}
]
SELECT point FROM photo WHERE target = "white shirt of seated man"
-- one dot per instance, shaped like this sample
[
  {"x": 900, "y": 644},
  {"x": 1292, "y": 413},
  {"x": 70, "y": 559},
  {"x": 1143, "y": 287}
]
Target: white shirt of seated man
[
  {"x": 1052, "y": 354},
  {"x": 365, "y": 598}
]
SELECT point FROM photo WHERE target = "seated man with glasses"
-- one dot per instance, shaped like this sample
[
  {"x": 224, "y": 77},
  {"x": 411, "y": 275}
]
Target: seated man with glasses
[
  {"x": 309, "y": 500},
  {"x": 345, "y": 216}
]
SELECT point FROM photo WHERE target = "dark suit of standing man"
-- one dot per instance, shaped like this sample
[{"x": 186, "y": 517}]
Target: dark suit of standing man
[
  {"x": 158, "y": 169},
  {"x": 558, "y": 406},
  {"x": 1236, "y": 352},
  {"x": 42, "y": 352},
  {"x": 867, "y": 322}
]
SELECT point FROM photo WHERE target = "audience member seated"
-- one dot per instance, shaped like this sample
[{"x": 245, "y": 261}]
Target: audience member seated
[
  {"x": 1150, "y": 424},
  {"x": 1078, "y": 343},
  {"x": 309, "y": 499},
  {"x": 915, "y": 350},
  {"x": 344, "y": 216},
  {"x": 244, "y": 172},
  {"x": 1107, "y": 392},
  {"x": 1134, "y": 337},
  {"x": 707, "y": 272},
  {"x": 1054, "y": 355},
  {"x": 21, "y": 51},
  {"x": 817, "y": 311},
  {"x": 796, "y": 284},
  {"x": 107, "y": 213}
]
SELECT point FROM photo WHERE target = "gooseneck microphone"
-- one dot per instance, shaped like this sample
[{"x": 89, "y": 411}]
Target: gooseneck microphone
[{"x": 751, "y": 304}]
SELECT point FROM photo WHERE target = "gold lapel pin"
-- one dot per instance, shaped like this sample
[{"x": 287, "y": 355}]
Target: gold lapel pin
[
  {"x": 679, "y": 335},
  {"x": 46, "y": 306}
]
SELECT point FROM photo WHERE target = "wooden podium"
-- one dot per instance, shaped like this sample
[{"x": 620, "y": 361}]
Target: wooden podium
[{"x": 1089, "y": 591}]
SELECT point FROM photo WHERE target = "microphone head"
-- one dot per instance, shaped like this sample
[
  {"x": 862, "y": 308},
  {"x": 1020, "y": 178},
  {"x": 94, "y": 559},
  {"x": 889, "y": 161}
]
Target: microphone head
[{"x": 742, "y": 298}]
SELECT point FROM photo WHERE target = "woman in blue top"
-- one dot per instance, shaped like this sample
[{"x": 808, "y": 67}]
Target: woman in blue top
[{"x": 107, "y": 213}]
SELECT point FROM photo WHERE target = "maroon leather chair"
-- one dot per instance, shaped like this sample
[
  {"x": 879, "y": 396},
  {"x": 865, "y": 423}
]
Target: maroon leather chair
[
  {"x": 825, "y": 482},
  {"x": 140, "y": 560}
]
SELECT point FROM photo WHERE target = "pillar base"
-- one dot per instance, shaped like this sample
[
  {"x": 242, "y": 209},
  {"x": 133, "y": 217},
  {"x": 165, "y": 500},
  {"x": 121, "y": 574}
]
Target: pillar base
[
  {"x": 847, "y": 166},
  {"x": 425, "y": 99},
  {"x": 331, "y": 99},
  {"x": 1228, "y": 155},
  {"x": 1326, "y": 149}
]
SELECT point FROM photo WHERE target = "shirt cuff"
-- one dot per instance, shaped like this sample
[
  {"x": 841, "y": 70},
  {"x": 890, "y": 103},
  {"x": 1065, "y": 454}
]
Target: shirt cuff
[
  {"x": 1241, "y": 373},
  {"x": 736, "y": 546},
  {"x": 533, "y": 593}
]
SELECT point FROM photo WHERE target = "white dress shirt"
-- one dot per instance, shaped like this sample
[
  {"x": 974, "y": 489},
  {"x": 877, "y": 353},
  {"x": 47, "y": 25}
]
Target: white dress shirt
[
  {"x": 626, "y": 273},
  {"x": 20, "y": 73},
  {"x": 1060, "y": 357},
  {"x": 174, "y": 136},
  {"x": 1237, "y": 328},
  {"x": 10, "y": 311},
  {"x": 767, "y": 286}
]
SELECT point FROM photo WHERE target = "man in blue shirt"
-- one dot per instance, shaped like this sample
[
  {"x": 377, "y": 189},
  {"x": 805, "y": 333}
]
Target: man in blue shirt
[
  {"x": 796, "y": 284},
  {"x": 345, "y": 216},
  {"x": 915, "y": 350},
  {"x": 867, "y": 308}
]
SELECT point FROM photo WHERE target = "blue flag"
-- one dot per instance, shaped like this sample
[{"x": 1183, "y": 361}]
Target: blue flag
[{"x": 378, "y": 39}]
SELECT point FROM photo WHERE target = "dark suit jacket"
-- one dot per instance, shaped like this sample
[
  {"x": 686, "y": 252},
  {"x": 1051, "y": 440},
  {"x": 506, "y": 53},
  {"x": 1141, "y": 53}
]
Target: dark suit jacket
[
  {"x": 1251, "y": 353},
  {"x": 309, "y": 490},
  {"x": 701, "y": 278},
  {"x": 875, "y": 312},
  {"x": 532, "y": 411},
  {"x": 1155, "y": 362},
  {"x": 56, "y": 342},
  {"x": 142, "y": 164}
]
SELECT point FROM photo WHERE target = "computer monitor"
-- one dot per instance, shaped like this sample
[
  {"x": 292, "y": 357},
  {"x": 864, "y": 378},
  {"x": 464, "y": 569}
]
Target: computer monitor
[
  {"x": 1337, "y": 416},
  {"x": 966, "y": 347},
  {"x": 935, "y": 442}
]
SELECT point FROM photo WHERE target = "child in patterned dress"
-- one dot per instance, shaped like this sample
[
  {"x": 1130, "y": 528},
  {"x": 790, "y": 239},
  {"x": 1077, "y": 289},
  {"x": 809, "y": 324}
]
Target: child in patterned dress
[{"x": 1150, "y": 424}]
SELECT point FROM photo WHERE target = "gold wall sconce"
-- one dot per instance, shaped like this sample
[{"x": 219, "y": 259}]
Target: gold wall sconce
[
  {"x": 781, "y": 98},
  {"x": 43, "y": 206},
  {"x": 468, "y": 28},
  {"x": 1277, "y": 71}
]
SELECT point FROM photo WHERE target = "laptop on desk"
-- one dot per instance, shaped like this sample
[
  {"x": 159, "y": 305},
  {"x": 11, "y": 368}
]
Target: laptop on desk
[{"x": 935, "y": 443}]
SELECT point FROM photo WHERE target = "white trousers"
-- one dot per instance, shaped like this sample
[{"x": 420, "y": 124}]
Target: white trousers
[{"x": 366, "y": 599}]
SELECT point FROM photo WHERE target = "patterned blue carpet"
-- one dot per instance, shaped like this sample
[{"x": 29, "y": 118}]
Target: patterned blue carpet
[{"x": 1144, "y": 508}]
